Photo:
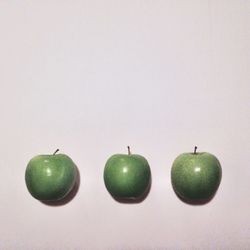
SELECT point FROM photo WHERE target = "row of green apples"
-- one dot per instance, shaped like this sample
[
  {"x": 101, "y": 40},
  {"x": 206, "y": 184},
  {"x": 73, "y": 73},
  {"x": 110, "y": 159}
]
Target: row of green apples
[{"x": 195, "y": 176}]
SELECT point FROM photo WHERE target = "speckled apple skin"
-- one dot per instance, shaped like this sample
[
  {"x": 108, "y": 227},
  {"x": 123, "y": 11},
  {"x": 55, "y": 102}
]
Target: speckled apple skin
[
  {"x": 50, "y": 177},
  {"x": 127, "y": 176},
  {"x": 196, "y": 176}
]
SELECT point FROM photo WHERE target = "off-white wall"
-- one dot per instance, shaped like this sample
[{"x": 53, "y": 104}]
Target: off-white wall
[{"x": 90, "y": 78}]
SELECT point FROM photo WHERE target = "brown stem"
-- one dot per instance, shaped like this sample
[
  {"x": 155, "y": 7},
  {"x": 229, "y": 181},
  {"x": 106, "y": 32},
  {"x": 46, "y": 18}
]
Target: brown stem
[
  {"x": 129, "y": 152},
  {"x": 195, "y": 148},
  {"x": 55, "y": 151}
]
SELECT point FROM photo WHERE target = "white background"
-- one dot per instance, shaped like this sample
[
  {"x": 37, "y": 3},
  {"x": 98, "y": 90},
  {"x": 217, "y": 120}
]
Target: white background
[{"x": 90, "y": 78}]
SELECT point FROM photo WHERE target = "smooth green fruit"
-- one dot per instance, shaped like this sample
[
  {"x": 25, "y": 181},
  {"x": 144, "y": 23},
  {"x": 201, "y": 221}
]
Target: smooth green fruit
[
  {"x": 127, "y": 176},
  {"x": 196, "y": 176},
  {"x": 50, "y": 177}
]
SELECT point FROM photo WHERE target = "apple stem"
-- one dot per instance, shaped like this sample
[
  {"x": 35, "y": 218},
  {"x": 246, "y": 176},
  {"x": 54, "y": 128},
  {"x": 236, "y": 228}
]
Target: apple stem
[
  {"x": 55, "y": 151},
  {"x": 195, "y": 148},
  {"x": 129, "y": 152}
]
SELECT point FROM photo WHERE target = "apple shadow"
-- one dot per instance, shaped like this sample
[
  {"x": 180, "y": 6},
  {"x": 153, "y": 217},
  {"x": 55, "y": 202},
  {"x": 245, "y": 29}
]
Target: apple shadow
[
  {"x": 137, "y": 199},
  {"x": 69, "y": 197}
]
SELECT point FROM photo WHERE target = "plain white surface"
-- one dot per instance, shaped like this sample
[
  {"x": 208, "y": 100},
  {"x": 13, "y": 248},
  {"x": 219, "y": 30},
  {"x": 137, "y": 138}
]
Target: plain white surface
[{"x": 90, "y": 78}]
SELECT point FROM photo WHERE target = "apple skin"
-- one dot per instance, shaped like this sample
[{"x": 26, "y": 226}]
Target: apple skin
[
  {"x": 196, "y": 176},
  {"x": 50, "y": 177},
  {"x": 127, "y": 176}
]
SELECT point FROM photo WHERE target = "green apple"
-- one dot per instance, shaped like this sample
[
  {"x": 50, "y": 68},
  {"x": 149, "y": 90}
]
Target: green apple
[
  {"x": 196, "y": 176},
  {"x": 127, "y": 176},
  {"x": 50, "y": 177}
]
